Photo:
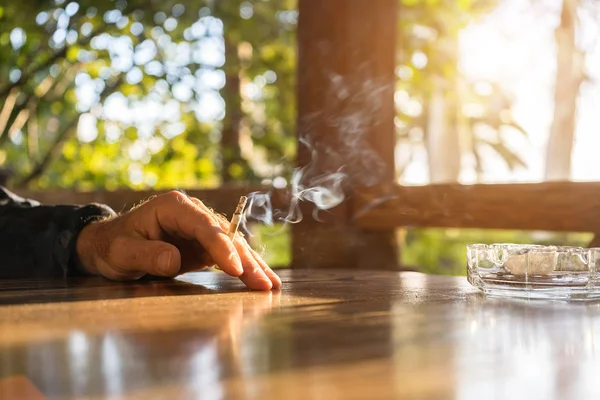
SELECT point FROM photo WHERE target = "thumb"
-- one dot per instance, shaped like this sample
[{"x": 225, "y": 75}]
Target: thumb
[{"x": 148, "y": 256}]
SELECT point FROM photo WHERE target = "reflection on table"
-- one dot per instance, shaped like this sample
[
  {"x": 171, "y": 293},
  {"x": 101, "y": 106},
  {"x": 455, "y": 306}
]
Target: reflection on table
[{"x": 327, "y": 334}]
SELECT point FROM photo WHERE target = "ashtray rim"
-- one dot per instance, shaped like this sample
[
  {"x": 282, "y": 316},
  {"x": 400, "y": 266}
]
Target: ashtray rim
[
  {"x": 548, "y": 282},
  {"x": 535, "y": 248}
]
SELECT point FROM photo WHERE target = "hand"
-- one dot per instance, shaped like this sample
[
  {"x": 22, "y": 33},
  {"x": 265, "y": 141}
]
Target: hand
[{"x": 167, "y": 236}]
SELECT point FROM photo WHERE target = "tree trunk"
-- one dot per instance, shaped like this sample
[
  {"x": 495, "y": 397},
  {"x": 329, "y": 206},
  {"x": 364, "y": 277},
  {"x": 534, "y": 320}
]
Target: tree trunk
[
  {"x": 233, "y": 165},
  {"x": 230, "y": 136},
  {"x": 442, "y": 139},
  {"x": 569, "y": 75},
  {"x": 335, "y": 37}
]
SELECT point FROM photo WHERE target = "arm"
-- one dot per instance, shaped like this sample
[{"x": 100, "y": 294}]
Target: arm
[
  {"x": 166, "y": 236},
  {"x": 38, "y": 241}
]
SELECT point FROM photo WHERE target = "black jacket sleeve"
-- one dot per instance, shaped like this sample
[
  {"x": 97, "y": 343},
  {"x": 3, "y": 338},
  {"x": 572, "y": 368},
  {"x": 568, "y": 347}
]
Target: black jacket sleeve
[{"x": 38, "y": 241}]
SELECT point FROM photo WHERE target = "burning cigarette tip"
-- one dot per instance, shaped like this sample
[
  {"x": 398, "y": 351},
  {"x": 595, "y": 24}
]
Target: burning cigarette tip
[
  {"x": 241, "y": 204},
  {"x": 237, "y": 217}
]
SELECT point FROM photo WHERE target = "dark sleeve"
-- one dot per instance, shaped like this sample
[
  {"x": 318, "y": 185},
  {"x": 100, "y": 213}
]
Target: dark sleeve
[{"x": 38, "y": 241}]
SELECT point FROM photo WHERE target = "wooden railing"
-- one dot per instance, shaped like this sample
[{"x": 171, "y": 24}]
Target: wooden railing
[
  {"x": 366, "y": 218},
  {"x": 555, "y": 206},
  {"x": 222, "y": 199}
]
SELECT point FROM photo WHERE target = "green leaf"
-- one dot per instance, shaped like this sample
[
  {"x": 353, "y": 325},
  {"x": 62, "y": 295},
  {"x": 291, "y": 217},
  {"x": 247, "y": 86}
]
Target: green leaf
[{"x": 72, "y": 53}]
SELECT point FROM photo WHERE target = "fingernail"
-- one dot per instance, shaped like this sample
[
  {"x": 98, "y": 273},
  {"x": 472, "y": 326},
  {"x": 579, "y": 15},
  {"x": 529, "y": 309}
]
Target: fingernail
[
  {"x": 164, "y": 262},
  {"x": 276, "y": 283},
  {"x": 267, "y": 284}
]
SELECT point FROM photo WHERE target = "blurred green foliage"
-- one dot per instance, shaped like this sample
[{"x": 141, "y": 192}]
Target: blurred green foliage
[
  {"x": 273, "y": 242},
  {"x": 434, "y": 251},
  {"x": 443, "y": 251},
  {"x": 148, "y": 79}
]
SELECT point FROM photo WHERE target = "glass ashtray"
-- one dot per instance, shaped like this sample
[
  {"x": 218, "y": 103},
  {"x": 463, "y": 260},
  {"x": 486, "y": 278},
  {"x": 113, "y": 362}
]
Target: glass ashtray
[{"x": 534, "y": 271}]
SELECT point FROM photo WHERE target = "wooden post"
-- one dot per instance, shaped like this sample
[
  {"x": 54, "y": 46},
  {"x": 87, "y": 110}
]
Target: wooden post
[{"x": 346, "y": 79}]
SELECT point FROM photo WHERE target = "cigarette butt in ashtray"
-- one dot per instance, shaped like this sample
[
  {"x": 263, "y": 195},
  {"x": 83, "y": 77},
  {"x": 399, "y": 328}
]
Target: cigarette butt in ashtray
[
  {"x": 531, "y": 264},
  {"x": 237, "y": 217}
]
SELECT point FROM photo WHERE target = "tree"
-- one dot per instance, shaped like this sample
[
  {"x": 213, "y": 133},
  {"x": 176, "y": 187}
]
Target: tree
[
  {"x": 569, "y": 76},
  {"x": 103, "y": 62},
  {"x": 439, "y": 109}
]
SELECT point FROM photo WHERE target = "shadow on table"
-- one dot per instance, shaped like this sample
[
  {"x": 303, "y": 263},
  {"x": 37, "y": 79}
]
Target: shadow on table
[
  {"x": 96, "y": 288},
  {"x": 312, "y": 283}
]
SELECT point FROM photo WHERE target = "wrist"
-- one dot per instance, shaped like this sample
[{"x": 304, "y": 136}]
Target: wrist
[{"x": 86, "y": 250}]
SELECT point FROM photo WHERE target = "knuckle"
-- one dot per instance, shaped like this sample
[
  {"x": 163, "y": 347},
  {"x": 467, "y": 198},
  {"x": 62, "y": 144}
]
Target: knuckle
[
  {"x": 175, "y": 196},
  {"x": 197, "y": 201},
  {"x": 206, "y": 219}
]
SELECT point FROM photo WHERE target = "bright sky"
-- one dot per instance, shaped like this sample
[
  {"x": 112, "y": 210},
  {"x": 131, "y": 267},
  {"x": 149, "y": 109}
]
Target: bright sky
[{"x": 515, "y": 46}]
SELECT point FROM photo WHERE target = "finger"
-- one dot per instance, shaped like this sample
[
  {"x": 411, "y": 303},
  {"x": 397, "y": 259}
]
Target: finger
[
  {"x": 179, "y": 216},
  {"x": 205, "y": 257},
  {"x": 275, "y": 280},
  {"x": 135, "y": 256},
  {"x": 258, "y": 260},
  {"x": 193, "y": 255},
  {"x": 255, "y": 274}
]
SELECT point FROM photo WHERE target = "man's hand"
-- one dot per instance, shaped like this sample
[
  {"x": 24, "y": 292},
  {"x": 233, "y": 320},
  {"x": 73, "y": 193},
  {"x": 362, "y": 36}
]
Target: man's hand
[{"x": 167, "y": 236}]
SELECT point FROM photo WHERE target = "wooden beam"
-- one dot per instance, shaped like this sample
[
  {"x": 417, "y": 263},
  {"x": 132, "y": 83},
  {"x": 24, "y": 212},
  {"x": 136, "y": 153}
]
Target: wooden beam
[
  {"x": 346, "y": 80},
  {"x": 223, "y": 199},
  {"x": 552, "y": 206}
]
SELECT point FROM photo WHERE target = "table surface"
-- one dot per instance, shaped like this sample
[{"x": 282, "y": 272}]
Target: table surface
[{"x": 327, "y": 334}]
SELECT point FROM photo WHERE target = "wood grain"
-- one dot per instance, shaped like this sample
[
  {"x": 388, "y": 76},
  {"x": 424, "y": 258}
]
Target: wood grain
[
  {"x": 19, "y": 388},
  {"x": 559, "y": 206},
  {"x": 346, "y": 81},
  {"x": 327, "y": 334}
]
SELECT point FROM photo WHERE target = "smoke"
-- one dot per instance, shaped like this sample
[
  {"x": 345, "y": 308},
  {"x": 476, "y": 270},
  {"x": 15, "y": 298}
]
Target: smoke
[
  {"x": 325, "y": 180},
  {"x": 325, "y": 191}
]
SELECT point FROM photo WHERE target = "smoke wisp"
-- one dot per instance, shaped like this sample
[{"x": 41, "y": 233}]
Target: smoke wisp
[{"x": 352, "y": 160}]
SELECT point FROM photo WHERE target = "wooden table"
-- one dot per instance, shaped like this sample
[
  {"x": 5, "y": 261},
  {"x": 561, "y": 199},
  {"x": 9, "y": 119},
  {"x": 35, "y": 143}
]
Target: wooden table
[{"x": 327, "y": 335}]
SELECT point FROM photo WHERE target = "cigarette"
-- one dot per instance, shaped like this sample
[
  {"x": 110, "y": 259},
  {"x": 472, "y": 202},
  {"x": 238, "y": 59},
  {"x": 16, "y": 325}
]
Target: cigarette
[{"x": 237, "y": 217}]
